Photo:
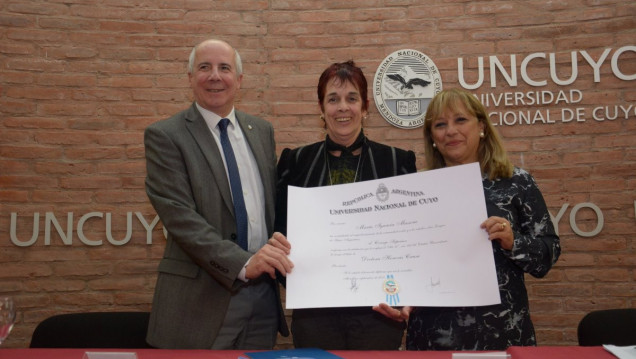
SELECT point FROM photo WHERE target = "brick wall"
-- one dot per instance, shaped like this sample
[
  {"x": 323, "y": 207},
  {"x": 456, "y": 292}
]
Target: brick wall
[{"x": 81, "y": 79}]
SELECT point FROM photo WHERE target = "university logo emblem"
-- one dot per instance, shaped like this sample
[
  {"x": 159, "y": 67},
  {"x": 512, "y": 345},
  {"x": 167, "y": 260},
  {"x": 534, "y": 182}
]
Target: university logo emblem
[
  {"x": 404, "y": 84},
  {"x": 391, "y": 289}
]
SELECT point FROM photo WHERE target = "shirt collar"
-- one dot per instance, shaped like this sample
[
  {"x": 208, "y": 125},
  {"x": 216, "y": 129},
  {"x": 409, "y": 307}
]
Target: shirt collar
[{"x": 212, "y": 119}]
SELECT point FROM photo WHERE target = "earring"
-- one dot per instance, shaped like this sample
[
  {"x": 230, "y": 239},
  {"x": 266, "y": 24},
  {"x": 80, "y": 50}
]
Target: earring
[
  {"x": 434, "y": 145},
  {"x": 481, "y": 134}
]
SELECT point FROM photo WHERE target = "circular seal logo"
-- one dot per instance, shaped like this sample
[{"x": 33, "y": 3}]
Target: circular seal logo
[
  {"x": 390, "y": 286},
  {"x": 404, "y": 84}
]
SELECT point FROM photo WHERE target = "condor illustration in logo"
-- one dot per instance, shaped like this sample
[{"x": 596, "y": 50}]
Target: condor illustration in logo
[{"x": 404, "y": 85}]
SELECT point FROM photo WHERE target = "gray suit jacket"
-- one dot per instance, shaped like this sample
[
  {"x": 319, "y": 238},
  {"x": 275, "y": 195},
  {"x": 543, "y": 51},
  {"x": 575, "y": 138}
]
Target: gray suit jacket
[{"x": 188, "y": 187}]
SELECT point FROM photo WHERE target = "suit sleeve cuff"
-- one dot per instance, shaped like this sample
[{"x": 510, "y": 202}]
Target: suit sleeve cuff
[{"x": 241, "y": 274}]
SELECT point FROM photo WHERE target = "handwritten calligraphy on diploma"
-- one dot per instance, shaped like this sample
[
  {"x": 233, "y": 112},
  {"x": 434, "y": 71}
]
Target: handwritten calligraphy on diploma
[{"x": 406, "y": 240}]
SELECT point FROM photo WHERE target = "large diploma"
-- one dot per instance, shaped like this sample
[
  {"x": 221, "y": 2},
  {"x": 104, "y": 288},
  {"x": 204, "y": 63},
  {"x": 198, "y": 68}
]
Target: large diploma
[{"x": 408, "y": 240}]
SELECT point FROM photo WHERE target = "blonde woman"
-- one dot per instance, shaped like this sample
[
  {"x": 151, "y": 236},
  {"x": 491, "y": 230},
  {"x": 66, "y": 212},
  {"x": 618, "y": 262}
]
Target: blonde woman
[{"x": 457, "y": 131}]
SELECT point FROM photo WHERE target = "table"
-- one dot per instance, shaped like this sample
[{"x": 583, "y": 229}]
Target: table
[{"x": 546, "y": 352}]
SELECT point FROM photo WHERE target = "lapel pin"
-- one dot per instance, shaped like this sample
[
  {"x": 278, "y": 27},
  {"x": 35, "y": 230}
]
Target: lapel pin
[{"x": 249, "y": 126}]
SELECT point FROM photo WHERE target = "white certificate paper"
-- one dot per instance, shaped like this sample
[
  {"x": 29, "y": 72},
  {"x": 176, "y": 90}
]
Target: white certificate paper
[{"x": 407, "y": 240}]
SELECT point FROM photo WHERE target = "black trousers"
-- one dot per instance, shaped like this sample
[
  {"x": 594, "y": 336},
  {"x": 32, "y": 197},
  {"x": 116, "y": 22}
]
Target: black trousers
[{"x": 358, "y": 328}]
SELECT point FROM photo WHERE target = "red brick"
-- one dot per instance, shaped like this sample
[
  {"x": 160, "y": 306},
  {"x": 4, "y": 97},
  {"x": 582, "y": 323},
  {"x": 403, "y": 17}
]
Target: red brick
[
  {"x": 380, "y": 13},
  {"x": 21, "y": 270},
  {"x": 595, "y": 303},
  {"x": 116, "y": 283},
  {"x": 56, "y": 196},
  {"x": 84, "y": 299},
  {"x": 126, "y": 26},
  {"x": 81, "y": 83}
]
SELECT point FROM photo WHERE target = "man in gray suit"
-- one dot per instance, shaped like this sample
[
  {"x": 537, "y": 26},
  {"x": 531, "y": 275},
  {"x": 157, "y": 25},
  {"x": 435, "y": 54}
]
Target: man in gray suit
[{"x": 210, "y": 292}]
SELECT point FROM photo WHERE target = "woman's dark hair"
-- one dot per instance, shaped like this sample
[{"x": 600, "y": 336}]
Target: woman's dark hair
[{"x": 343, "y": 71}]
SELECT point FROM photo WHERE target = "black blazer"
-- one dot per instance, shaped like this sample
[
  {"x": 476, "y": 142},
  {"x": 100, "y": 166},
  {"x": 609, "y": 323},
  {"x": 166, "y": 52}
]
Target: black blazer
[{"x": 307, "y": 167}]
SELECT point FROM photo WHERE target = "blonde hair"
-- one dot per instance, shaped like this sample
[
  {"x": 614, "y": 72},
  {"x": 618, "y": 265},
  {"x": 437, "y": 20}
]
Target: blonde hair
[{"x": 493, "y": 159}]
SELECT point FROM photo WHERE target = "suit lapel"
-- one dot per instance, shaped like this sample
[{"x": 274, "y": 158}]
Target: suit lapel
[
  {"x": 201, "y": 134},
  {"x": 254, "y": 140},
  {"x": 254, "y": 136}
]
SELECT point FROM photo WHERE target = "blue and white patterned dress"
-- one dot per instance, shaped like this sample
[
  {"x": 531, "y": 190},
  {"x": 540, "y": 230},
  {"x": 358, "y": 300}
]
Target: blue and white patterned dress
[{"x": 536, "y": 249}]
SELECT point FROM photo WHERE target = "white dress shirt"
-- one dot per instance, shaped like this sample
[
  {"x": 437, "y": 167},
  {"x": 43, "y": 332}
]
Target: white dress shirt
[{"x": 251, "y": 183}]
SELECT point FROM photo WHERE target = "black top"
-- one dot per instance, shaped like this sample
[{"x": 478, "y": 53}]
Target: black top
[
  {"x": 307, "y": 166},
  {"x": 536, "y": 248},
  {"x": 357, "y": 328}
]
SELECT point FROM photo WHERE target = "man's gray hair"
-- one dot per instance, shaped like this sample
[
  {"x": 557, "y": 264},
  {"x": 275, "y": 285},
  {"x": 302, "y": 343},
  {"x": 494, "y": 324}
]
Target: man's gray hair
[{"x": 237, "y": 59}]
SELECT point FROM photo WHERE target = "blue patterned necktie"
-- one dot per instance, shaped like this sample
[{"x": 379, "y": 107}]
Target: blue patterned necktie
[{"x": 235, "y": 184}]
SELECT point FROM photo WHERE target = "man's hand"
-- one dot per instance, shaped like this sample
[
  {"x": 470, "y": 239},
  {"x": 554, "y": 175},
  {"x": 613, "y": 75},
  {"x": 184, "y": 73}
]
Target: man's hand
[
  {"x": 270, "y": 258},
  {"x": 397, "y": 314}
]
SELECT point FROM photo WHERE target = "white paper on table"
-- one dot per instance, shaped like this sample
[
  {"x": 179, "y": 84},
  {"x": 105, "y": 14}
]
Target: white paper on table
[
  {"x": 109, "y": 355},
  {"x": 423, "y": 229},
  {"x": 622, "y": 352},
  {"x": 488, "y": 355}
]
